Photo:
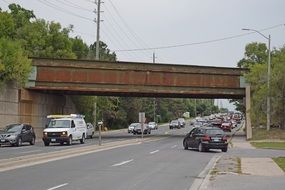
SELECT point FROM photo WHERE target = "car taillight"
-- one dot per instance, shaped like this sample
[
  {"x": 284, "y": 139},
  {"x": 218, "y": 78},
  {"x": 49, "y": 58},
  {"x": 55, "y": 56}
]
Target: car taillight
[
  {"x": 206, "y": 138},
  {"x": 224, "y": 138}
]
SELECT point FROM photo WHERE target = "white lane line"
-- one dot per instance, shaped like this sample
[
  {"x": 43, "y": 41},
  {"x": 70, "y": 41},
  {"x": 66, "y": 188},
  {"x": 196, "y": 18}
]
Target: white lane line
[
  {"x": 31, "y": 151},
  {"x": 122, "y": 163},
  {"x": 174, "y": 146},
  {"x": 154, "y": 151},
  {"x": 56, "y": 187}
]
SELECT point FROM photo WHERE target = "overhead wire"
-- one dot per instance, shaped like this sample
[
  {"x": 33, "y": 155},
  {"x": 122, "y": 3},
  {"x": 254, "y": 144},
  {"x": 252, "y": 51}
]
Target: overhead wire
[
  {"x": 120, "y": 30},
  {"x": 52, "y": 5},
  {"x": 73, "y": 5},
  {"x": 198, "y": 43}
]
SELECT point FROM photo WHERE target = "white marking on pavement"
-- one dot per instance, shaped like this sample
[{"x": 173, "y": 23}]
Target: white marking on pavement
[
  {"x": 122, "y": 163},
  {"x": 154, "y": 151},
  {"x": 174, "y": 146},
  {"x": 56, "y": 187}
]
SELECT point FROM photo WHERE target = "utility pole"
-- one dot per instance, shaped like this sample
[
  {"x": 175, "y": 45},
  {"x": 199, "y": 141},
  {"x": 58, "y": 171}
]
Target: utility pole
[
  {"x": 154, "y": 100},
  {"x": 98, "y": 3},
  {"x": 98, "y": 20}
]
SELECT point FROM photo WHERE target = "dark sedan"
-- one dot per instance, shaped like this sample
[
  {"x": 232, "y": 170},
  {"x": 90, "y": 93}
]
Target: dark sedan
[
  {"x": 138, "y": 130},
  {"x": 16, "y": 134},
  {"x": 174, "y": 124},
  {"x": 205, "y": 138}
]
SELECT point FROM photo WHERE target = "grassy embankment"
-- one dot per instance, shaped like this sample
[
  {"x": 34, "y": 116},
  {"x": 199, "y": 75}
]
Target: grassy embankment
[{"x": 272, "y": 139}]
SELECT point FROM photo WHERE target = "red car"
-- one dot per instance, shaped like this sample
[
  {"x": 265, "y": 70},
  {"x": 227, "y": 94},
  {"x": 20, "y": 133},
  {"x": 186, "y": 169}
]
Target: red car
[{"x": 226, "y": 126}]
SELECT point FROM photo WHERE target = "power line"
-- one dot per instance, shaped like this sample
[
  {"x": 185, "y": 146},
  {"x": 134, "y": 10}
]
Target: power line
[
  {"x": 198, "y": 43},
  {"x": 73, "y": 5},
  {"x": 135, "y": 36},
  {"x": 121, "y": 30},
  {"x": 52, "y": 5}
]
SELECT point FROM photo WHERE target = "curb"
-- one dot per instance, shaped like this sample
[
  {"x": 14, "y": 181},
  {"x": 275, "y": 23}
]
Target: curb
[{"x": 202, "y": 180}]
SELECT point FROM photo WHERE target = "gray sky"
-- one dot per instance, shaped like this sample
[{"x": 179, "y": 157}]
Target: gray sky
[{"x": 134, "y": 24}]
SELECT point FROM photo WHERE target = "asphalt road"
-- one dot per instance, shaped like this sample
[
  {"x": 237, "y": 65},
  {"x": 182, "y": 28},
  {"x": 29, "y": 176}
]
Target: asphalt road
[
  {"x": 109, "y": 136},
  {"x": 159, "y": 164}
]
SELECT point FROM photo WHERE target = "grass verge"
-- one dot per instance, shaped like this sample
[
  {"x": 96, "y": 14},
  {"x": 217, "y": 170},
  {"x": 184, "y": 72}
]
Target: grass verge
[
  {"x": 280, "y": 161},
  {"x": 269, "y": 145},
  {"x": 263, "y": 134}
]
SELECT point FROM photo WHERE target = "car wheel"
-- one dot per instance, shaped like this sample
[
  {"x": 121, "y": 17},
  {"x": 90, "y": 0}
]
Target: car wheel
[
  {"x": 201, "y": 148},
  {"x": 82, "y": 141},
  {"x": 46, "y": 143},
  {"x": 69, "y": 142},
  {"x": 185, "y": 145},
  {"x": 92, "y": 135},
  {"x": 19, "y": 142},
  {"x": 32, "y": 142},
  {"x": 61, "y": 143},
  {"x": 224, "y": 149}
]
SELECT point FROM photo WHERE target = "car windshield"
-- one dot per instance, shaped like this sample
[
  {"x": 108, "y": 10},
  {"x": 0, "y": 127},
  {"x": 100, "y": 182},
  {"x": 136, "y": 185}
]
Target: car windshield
[
  {"x": 59, "y": 124},
  {"x": 13, "y": 128},
  {"x": 151, "y": 123},
  {"x": 214, "y": 132},
  {"x": 134, "y": 124},
  {"x": 174, "y": 121}
]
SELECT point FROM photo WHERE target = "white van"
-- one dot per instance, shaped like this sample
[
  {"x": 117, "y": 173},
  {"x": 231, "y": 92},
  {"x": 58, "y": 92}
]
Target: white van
[{"x": 65, "y": 129}]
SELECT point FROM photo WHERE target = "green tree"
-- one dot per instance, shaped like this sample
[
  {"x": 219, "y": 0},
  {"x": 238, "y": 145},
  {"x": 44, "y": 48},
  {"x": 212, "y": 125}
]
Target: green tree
[
  {"x": 7, "y": 25},
  {"x": 105, "y": 53},
  {"x": 79, "y": 48},
  {"x": 14, "y": 64}
]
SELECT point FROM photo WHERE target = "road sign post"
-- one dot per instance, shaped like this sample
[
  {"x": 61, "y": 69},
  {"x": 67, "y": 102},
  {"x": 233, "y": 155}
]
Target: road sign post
[{"x": 142, "y": 120}]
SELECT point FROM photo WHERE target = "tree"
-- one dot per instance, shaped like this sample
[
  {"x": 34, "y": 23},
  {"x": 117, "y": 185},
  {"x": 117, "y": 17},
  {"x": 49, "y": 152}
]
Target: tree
[
  {"x": 7, "y": 25},
  {"x": 104, "y": 53},
  {"x": 79, "y": 48},
  {"x": 255, "y": 53},
  {"x": 14, "y": 64},
  {"x": 21, "y": 16}
]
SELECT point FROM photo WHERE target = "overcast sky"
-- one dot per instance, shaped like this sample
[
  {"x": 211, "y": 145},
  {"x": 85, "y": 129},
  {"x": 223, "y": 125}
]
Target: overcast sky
[{"x": 141, "y": 24}]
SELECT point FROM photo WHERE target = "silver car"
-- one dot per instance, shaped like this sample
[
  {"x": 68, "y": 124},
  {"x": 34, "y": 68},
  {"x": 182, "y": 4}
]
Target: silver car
[
  {"x": 90, "y": 130},
  {"x": 152, "y": 125}
]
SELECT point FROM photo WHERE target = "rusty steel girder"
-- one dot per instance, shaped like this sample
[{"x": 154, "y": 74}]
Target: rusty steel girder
[{"x": 135, "y": 79}]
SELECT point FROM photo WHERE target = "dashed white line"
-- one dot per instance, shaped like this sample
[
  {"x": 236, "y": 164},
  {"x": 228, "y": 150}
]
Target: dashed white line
[
  {"x": 56, "y": 187},
  {"x": 154, "y": 151},
  {"x": 122, "y": 163},
  {"x": 174, "y": 146}
]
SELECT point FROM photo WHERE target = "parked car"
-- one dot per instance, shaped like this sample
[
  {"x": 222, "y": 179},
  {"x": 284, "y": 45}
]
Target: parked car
[
  {"x": 182, "y": 122},
  {"x": 205, "y": 138},
  {"x": 132, "y": 126},
  {"x": 152, "y": 125},
  {"x": 174, "y": 124},
  {"x": 90, "y": 130},
  {"x": 67, "y": 129},
  {"x": 138, "y": 130},
  {"x": 16, "y": 134}
]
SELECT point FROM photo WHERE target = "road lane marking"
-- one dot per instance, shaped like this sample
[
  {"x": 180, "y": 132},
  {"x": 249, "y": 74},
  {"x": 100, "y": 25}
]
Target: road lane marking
[
  {"x": 154, "y": 151},
  {"x": 174, "y": 146},
  {"x": 122, "y": 163},
  {"x": 56, "y": 187}
]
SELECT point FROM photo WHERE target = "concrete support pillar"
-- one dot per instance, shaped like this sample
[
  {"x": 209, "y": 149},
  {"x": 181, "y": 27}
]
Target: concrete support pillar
[{"x": 248, "y": 121}]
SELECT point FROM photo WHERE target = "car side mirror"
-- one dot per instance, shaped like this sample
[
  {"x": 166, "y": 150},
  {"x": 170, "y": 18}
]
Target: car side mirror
[{"x": 72, "y": 125}]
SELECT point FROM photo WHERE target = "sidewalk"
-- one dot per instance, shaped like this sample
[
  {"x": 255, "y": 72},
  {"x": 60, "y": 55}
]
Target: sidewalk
[{"x": 245, "y": 167}]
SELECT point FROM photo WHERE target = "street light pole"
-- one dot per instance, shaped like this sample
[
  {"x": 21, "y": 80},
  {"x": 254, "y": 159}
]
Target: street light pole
[{"x": 268, "y": 76}]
